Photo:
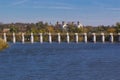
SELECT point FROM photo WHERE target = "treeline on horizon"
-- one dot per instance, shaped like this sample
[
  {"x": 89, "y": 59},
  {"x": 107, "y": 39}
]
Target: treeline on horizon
[{"x": 41, "y": 27}]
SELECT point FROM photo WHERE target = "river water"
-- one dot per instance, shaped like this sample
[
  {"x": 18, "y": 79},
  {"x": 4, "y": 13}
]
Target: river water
[{"x": 91, "y": 61}]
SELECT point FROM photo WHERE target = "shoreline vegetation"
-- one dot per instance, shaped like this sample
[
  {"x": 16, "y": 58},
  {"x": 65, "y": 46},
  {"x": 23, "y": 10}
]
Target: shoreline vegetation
[
  {"x": 59, "y": 27},
  {"x": 3, "y": 44}
]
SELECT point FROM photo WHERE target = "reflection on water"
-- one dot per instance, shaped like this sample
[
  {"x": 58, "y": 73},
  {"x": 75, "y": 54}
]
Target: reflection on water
[{"x": 60, "y": 61}]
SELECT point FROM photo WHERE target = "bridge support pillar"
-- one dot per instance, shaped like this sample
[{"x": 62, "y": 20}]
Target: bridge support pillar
[
  {"x": 68, "y": 38},
  {"x": 32, "y": 38},
  {"x": 59, "y": 38},
  {"x": 14, "y": 38},
  {"x": 5, "y": 37},
  {"x": 23, "y": 38},
  {"x": 111, "y": 37},
  {"x": 50, "y": 38},
  {"x": 85, "y": 37},
  {"x": 94, "y": 37},
  {"x": 118, "y": 37},
  {"x": 41, "y": 37},
  {"x": 76, "y": 37},
  {"x": 103, "y": 37}
]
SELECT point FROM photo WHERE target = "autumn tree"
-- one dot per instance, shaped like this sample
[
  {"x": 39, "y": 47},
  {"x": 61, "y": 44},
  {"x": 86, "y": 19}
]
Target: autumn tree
[
  {"x": 50, "y": 29},
  {"x": 111, "y": 30}
]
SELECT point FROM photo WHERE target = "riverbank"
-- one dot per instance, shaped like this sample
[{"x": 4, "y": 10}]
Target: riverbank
[{"x": 3, "y": 44}]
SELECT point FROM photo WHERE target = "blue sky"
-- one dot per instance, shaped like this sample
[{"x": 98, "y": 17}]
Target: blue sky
[{"x": 88, "y": 12}]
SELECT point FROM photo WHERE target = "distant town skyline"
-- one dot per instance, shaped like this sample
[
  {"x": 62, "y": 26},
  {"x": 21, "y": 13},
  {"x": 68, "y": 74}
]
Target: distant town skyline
[{"x": 88, "y": 12}]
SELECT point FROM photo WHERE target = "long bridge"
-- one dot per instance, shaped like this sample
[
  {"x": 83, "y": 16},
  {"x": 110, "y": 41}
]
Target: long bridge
[{"x": 60, "y": 37}]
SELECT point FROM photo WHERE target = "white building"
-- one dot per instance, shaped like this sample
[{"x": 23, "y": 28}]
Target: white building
[
  {"x": 64, "y": 25},
  {"x": 79, "y": 25}
]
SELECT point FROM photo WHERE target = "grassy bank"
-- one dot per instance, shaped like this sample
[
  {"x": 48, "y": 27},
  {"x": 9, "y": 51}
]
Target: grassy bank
[{"x": 3, "y": 44}]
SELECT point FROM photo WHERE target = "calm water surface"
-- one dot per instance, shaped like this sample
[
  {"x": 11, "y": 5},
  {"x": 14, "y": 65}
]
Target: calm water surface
[{"x": 60, "y": 61}]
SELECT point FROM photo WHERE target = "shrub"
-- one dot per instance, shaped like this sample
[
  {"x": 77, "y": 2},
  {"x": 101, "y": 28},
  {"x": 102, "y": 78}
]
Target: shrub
[{"x": 3, "y": 44}]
